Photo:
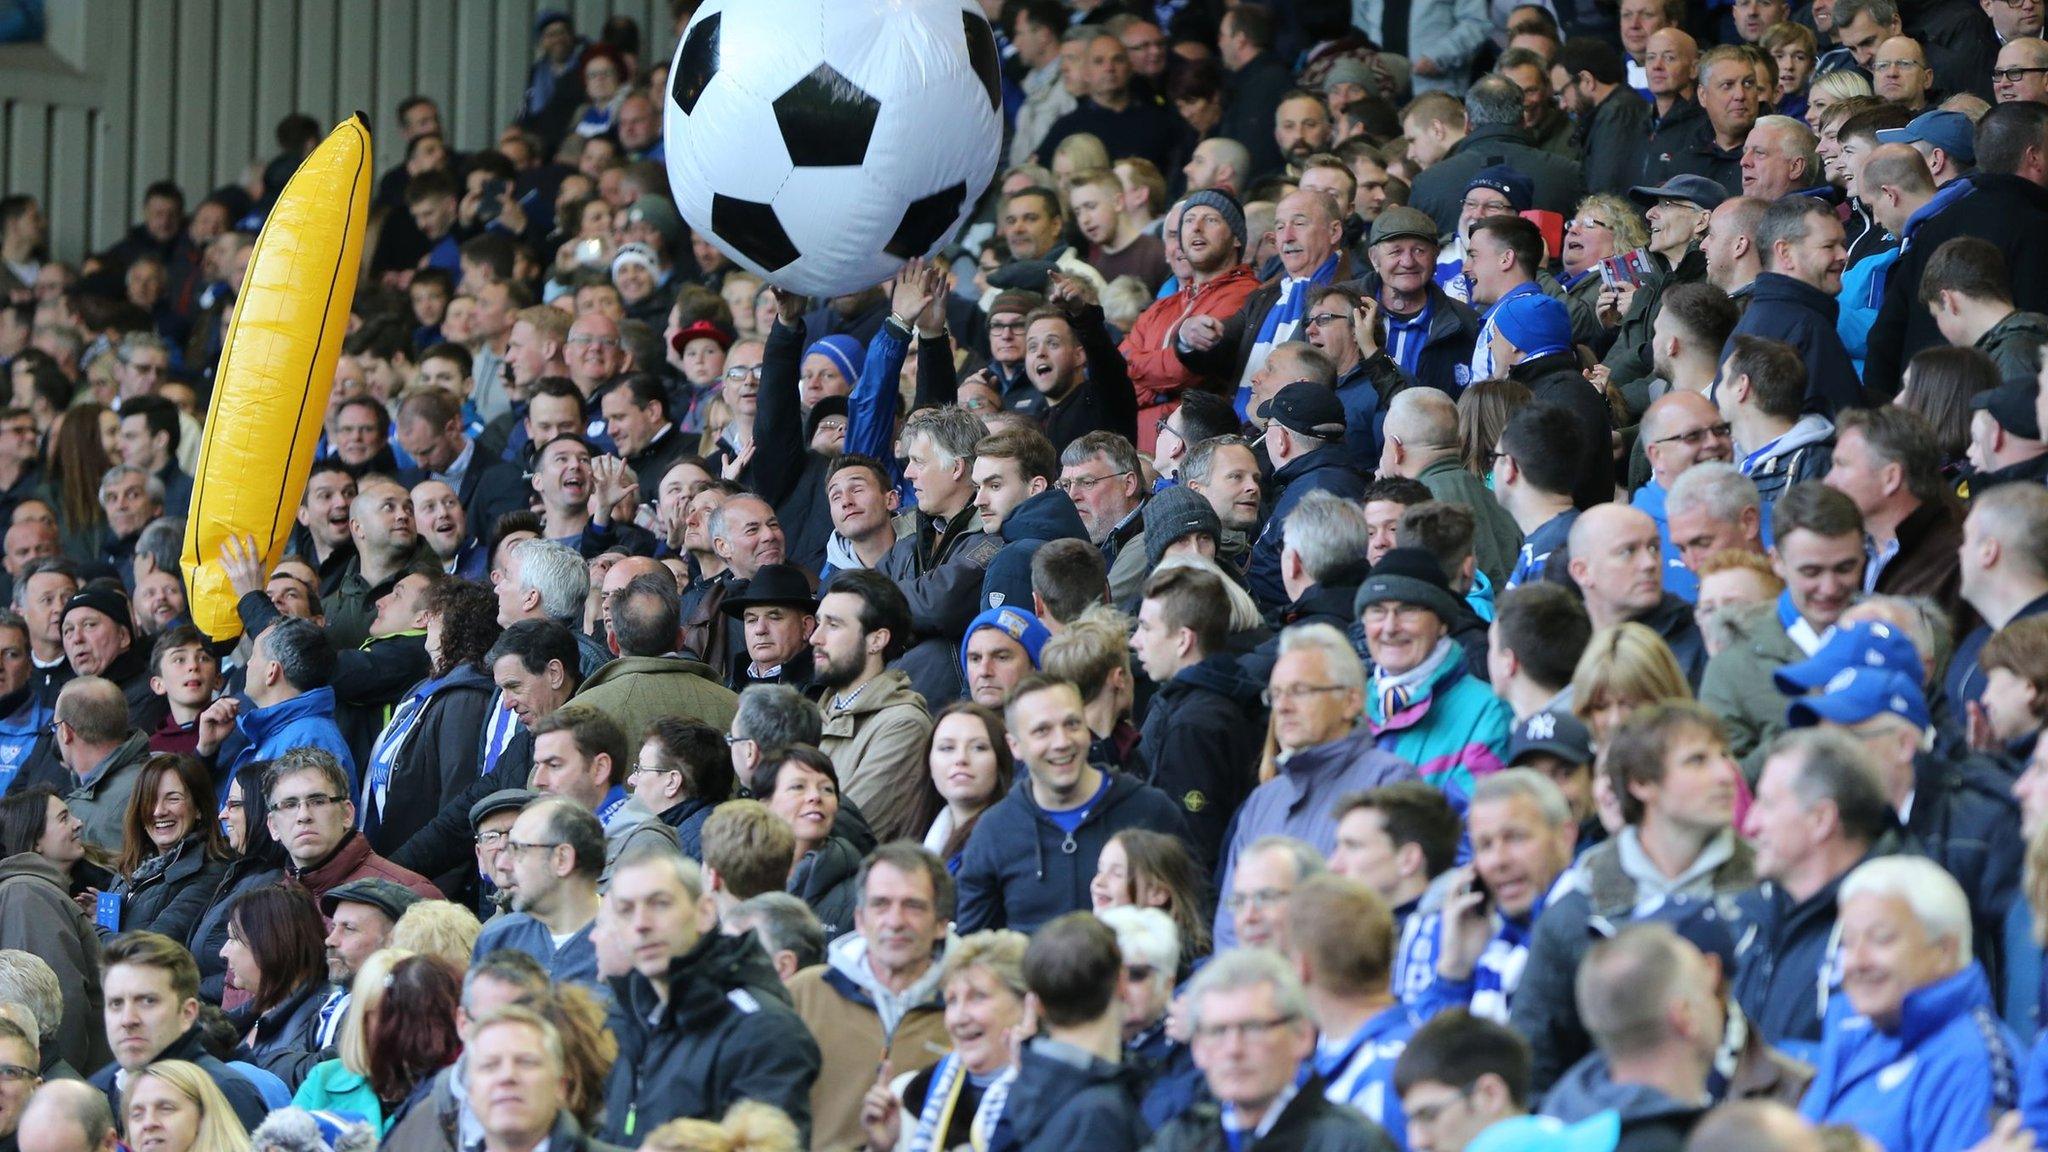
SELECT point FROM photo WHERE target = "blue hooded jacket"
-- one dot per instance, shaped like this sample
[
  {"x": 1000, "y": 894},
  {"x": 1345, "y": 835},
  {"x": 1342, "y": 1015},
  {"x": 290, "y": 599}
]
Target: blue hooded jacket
[
  {"x": 1934, "y": 1085},
  {"x": 1020, "y": 869},
  {"x": 304, "y": 721},
  {"x": 1050, "y": 515},
  {"x": 1326, "y": 469}
]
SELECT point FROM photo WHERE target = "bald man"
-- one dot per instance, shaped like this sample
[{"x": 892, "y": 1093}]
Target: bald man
[
  {"x": 1422, "y": 444},
  {"x": 67, "y": 1116},
  {"x": 1901, "y": 75},
  {"x": 1617, "y": 561},
  {"x": 1680, "y": 429},
  {"x": 2022, "y": 71}
]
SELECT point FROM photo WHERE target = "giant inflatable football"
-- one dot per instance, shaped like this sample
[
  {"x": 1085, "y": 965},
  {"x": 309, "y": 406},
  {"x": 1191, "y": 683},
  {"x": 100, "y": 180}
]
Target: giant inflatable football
[{"x": 821, "y": 143}]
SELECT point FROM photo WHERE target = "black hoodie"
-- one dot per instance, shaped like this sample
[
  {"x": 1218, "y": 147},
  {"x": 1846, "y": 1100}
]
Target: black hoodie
[
  {"x": 1201, "y": 738},
  {"x": 1059, "y": 1103},
  {"x": 726, "y": 1033},
  {"x": 1050, "y": 515}
]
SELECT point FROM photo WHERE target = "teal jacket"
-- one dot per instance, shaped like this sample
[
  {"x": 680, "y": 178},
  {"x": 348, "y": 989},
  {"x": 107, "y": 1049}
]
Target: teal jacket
[
  {"x": 333, "y": 1088},
  {"x": 1453, "y": 729}
]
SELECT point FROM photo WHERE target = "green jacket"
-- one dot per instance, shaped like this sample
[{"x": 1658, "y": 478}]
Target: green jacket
[
  {"x": 1496, "y": 539},
  {"x": 1738, "y": 687},
  {"x": 333, "y": 1088},
  {"x": 635, "y": 691}
]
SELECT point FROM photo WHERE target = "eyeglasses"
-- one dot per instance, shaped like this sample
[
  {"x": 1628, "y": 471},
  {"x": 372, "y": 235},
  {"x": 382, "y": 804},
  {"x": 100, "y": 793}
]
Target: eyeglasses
[
  {"x": 492, "y": 841},
  {"x": 1260, "y": 898},
  {"x": 585, "y": 341},
  {"x": 518, "y": 848},
  {"x": 1163, "y": 428},
  {"x": 1298, "y": 692},
  {"x": 1405, "y": 613},
  {"x": 2014, "y": 75},
  {"x": 742, "y": 375},
  {"x": 1073, "y": 484},
  {"x": 314, "y": 804},
  {"x": 1490, "y": 207},
  {"x": 1698, "y": 436},
  {"x": 1583, "y": 222},
  {"x": 1896, "y": 66},
  {"x": 1325, "y": 319},
  {"x": 652, "y": 770},
  {"x": 10, "y": 1073},
  {"x": 1242, "y": 1030},
  {"x": 832, "y": 424},
  {"x": 732, "y": 741},
  {"x": 1006, "y": 326}
]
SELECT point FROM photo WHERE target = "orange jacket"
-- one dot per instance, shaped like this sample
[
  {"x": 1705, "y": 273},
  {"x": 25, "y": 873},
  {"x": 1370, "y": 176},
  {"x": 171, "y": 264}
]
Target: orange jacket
[{"x": 1156, "y": 372}]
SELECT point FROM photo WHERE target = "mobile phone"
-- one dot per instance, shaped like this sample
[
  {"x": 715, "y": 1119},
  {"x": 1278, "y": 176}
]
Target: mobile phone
[
  {"x": 590, "y": 252},
  {"x": 106, "y": 911}
]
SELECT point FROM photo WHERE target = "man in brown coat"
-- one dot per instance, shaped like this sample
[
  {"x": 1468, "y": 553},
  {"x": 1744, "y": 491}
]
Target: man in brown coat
[
  {"x": 876, "y": 1001},
  {"x": 1887, "y": 461},
  {"x": 876, "y": 724}
]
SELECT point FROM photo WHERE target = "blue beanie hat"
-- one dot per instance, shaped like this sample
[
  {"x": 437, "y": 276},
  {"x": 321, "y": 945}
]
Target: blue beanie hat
[
  {"x": 1535, "y": 324},
  {"x": 1023, "y": 627},
  {"x": 844, "y": 352}
]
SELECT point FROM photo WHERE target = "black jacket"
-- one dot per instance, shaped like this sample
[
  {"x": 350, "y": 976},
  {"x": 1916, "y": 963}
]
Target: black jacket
[
  {"x": 1556, "y": 379},
  {"x": 287, "y": 1037},
  {"x": 1201, "y": 739},
  {"x": 1803, "y": 316},
  {"x": 242, "y": 1095},
  {"x": 1103, "y": 402},
  {"x": 1611, "y": 139},
  {"x": 1250, "y": 97},
  {"x": 1309, "y": 1123},
  {"x": 210, "y": 931},
  {"x": 2010, "y": 212},
  {"x": 784, "y": 470},
  {"x": 1673, "y": 620},
  {"x": 440, "y": 759},
  {"x": 1057, "y": 1104},
  {"x": 170, "y": 899},
  {"x": 1662, "y": 152},
  {"x": 1964, "y": 819},
  {"x": 1446, "y": 360},
  {"x": 726, "y": 1033},
  {"x": 1020, "y": 869},
  {"x": 824, "y": 880},
  {"x": 1440, "y": 188}
]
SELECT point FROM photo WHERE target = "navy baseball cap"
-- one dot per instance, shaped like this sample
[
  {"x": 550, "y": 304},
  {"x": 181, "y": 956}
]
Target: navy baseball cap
[
  {"x": 1554, "y": 733},
  {"x": 1865, "y": 644},
  {"x": 1860, "y": 694},
  {"x": 1703, "y": 922},
  {"x": 1951, "y": 132},
  {"x": 2012, "y": 405}
]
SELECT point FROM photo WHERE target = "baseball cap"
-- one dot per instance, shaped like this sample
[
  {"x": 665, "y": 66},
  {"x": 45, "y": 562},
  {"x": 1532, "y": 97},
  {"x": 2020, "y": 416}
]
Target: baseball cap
[
  {"x": 1860, "y": 694},
  {"x": 1308, "y": 408},
  {"x": 1951, "y": 132},
  {"x": 1695, "y": 190},
  {"x": 2012, "y": 405},
  {"x": 1702, "y": 921},
  {"x": 1864, "y": 644},
  {"x": 1400, "y": 220},
  {"x": 1552, "y": 733}
]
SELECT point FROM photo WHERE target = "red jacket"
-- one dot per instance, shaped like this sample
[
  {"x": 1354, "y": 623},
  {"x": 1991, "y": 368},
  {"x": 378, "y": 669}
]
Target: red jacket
[
  {"x": 1156, "y": 373},
  {"x": 354, "y": 861}
]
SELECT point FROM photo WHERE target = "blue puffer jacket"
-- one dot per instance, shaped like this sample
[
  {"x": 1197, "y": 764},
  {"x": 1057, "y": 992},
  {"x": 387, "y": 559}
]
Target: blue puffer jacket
[
  {"x": 1020, "y": 869},
  {"x": 19, "y": 730},
  {"x": 1935, "y": 1084},
  {"x": 304, "y": 721}
]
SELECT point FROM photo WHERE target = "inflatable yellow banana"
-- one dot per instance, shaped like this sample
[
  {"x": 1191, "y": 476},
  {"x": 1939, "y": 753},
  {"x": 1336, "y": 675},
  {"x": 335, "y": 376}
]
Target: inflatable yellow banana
[{"x": 277, "y": 368}]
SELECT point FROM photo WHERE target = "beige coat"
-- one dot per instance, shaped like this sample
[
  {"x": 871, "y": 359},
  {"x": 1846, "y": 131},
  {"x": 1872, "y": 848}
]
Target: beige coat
[{"x": 877, "y": 742}]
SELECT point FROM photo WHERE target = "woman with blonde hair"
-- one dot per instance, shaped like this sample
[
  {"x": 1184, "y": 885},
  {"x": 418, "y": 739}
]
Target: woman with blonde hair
[
  {"x": 1624, "y": 667},
  {"x": 749, "y": 1126},
  {"x": 174, "y": 1106},
  {"x": 941, "y": 1106},
  {"x": 438, "y": 928},
  {"x": 343, "y": 1085}
]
